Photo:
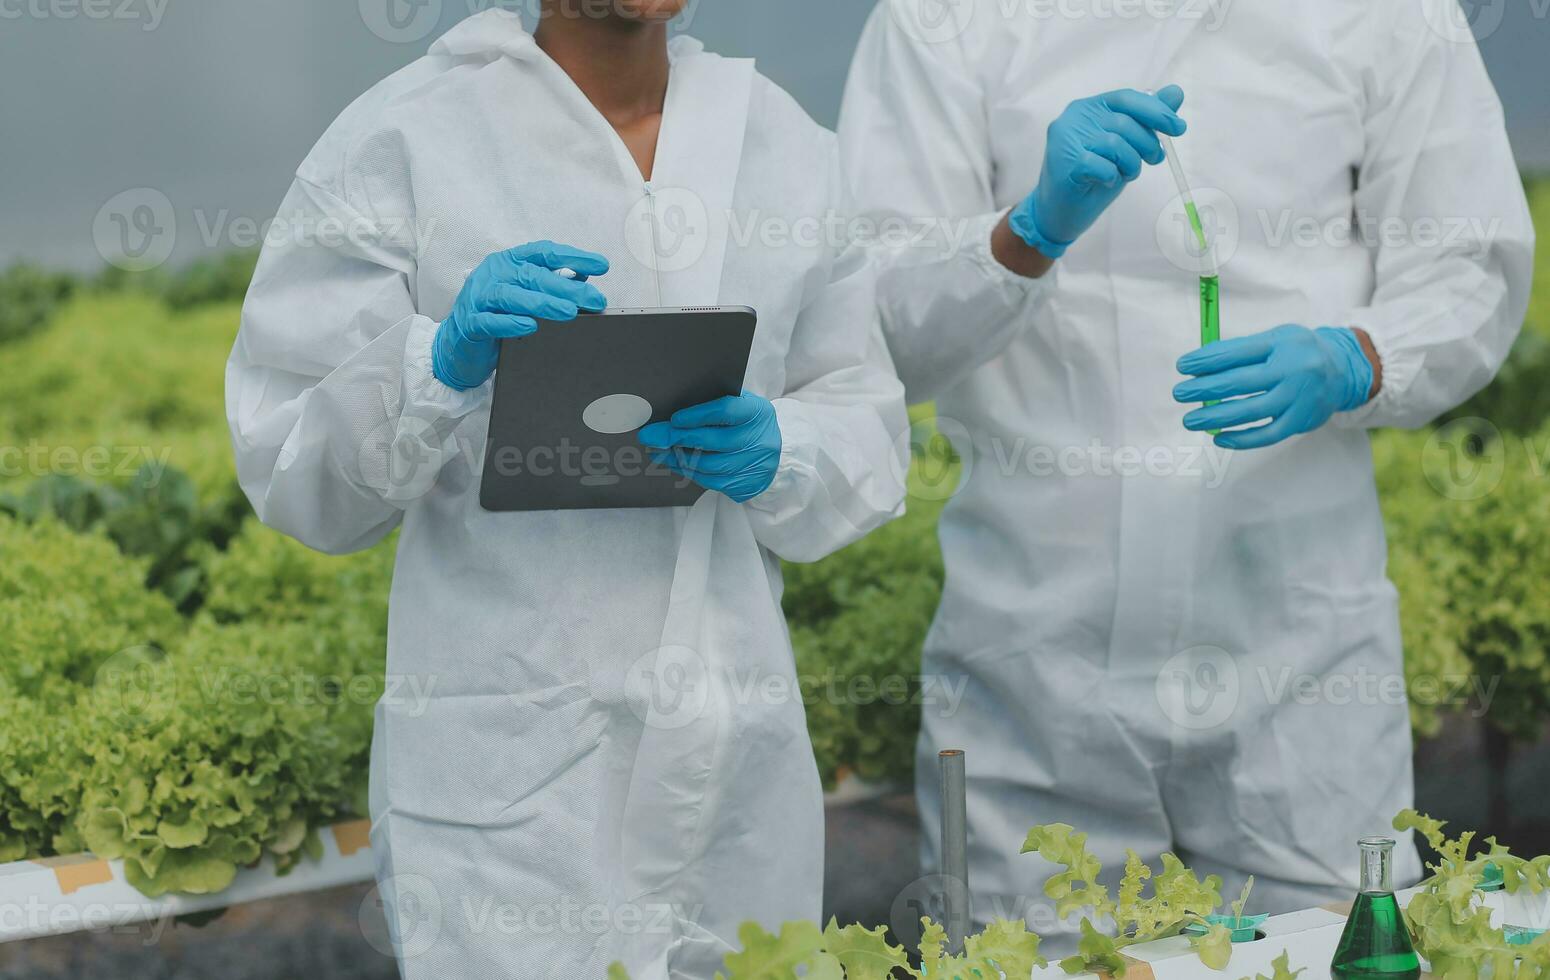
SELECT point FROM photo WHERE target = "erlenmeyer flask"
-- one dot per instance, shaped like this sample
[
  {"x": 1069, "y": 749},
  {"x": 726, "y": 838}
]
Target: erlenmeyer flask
[{"x": 1376, "y": 942}]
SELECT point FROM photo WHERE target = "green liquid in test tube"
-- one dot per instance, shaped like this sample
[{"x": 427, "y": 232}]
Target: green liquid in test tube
[
  {"x": 1210, "y": 288},
  {"x": 1210, "y": 311},
  {"x": 1194, "y": 220},
  {"x": 1211, "y": 318}
]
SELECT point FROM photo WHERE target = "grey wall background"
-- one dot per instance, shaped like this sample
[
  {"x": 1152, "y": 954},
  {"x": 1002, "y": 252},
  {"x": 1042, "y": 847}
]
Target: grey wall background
[{"x": 213, "y": 102}]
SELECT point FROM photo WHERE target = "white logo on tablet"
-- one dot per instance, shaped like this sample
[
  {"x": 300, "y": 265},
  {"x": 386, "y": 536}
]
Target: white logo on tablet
[{"x": 613, "y": 414}]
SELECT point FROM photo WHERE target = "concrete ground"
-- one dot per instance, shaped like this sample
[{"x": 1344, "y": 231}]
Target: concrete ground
[{"x": 872, "y": 853}]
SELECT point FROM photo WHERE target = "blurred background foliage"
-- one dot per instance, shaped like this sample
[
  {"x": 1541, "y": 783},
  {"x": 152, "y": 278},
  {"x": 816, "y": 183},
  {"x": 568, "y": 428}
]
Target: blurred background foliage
[{"x": 128, "y": 579}]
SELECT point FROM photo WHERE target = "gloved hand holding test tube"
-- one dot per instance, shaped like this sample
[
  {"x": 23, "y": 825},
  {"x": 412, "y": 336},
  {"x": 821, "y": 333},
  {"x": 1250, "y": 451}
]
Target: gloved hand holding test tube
[{"x": 1312, "y": 373}]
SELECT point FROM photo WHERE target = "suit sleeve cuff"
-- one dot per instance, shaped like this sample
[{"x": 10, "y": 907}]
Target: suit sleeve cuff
[
  {"x": 784, "y": 494},
  {"x": 424, "y": 395},
  {"x": 1399, "y": 370}
]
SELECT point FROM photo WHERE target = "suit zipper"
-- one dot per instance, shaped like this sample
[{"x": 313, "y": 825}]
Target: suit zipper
[{"x": 656, "y": 243}]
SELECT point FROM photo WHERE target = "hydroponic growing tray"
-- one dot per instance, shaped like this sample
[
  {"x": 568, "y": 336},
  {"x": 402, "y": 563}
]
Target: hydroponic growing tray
[
  {"x": 1308, "y": 938},
  {"x": 52, "y": 896}
]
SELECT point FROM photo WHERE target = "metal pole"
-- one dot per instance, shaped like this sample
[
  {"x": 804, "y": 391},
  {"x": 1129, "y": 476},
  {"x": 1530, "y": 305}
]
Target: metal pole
[{"x": 955, "y": 849}]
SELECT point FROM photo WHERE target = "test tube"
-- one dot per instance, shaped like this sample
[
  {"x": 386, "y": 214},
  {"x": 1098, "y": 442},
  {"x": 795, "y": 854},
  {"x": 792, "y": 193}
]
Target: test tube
[{"x": 1210, "y": 278}]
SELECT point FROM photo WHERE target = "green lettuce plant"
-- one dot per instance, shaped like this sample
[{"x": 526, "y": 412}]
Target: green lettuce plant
[
  {"x": 186, "y": 748},
  {"x": 205, "y": 759},
  {"x": 40, "y": 778},
  {"x": 1178, "y": 898},
  {"x": 68, "y": 602},
  {"x": 1452, "y": 927},
  {"x": 854, "y": 952},
  {"x": 1280, "y": 969},
  {"x": 1470, "y": 561},
  {"x": 858, "y": 621}
]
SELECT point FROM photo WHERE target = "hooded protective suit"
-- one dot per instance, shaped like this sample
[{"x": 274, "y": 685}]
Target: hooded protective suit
[
  {"x": 591, "y": 747},
  {"x": 1166, "y": 644}
]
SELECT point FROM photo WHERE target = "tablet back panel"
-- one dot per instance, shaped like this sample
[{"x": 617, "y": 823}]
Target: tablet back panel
[{"x": 556, "y": 389}]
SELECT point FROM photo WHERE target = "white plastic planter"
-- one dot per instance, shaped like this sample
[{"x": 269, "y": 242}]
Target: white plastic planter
[
  {"x": 59, "y": 895},
  {"x": 53, "y": 896},
  {"x": 1524, "y": 910},
  {"x": 1308, "y": 938}
]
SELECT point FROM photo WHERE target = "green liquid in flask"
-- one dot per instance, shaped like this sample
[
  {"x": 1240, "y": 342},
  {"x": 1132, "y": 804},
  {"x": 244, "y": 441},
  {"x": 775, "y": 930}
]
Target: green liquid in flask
[{"x": 1376, "y": 942}]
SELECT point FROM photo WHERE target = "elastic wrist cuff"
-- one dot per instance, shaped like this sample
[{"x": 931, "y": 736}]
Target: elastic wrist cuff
[
  {"x": 439, "y": 367},
  {"x": 1024, "y": 226}
]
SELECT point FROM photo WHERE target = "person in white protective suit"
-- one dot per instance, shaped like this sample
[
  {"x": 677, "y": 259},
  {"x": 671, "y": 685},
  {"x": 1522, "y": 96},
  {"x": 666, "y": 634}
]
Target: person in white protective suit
[
  {"x": 1166, "y": 642},
  {"x": 602, "y": 769}
]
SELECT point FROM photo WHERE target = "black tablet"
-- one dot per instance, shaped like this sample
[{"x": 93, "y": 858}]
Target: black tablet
[{"x": 570, "y": 399}]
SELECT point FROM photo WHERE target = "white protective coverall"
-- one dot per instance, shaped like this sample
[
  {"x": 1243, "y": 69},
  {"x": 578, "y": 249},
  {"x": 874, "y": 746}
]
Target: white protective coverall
[
  {"x": 608, "y": 765},
  {"x": 1168, "y": 645}
]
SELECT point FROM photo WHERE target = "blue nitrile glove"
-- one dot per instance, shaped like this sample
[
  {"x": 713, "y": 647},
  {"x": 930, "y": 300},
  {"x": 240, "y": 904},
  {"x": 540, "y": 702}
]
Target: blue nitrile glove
[
  {"x": 505, "y": 297},
  {"x": 731, "y": 444},
  {"x": 1293, "y": 376},
  {"x": 1095, "y": 148}
]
